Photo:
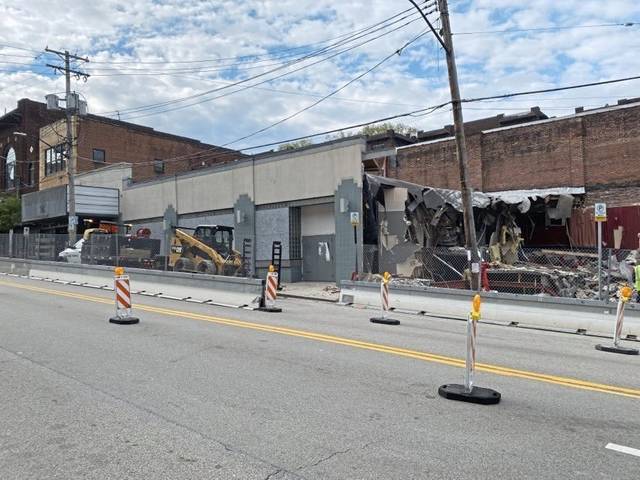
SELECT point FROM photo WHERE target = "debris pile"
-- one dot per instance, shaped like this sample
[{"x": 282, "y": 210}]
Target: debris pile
[{"x": 417, "y": 234}]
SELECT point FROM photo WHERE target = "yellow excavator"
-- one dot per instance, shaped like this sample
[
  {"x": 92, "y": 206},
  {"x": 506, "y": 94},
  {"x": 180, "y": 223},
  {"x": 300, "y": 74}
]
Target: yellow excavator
[{"x": 208, "y": 250}]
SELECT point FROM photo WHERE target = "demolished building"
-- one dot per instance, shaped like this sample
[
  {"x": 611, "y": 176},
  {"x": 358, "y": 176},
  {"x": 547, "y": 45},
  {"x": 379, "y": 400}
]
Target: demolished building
[{"x": 417, "y": 232}]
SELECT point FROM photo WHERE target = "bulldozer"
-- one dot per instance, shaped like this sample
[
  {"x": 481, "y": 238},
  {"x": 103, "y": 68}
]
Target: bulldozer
[{"x": 208, "y": 250}]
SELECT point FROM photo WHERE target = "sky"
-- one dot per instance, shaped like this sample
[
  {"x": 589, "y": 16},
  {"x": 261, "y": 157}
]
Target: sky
[{"x": 186, "y": 56}]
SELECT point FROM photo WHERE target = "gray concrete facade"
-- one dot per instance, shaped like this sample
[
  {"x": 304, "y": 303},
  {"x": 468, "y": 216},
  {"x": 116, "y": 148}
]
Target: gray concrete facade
[
  {"x": 256, "y": 196},
  {"x": 273, "y": 226},
  {"x": 245, "y": 224},
  {"x": 348, "y": 193}
]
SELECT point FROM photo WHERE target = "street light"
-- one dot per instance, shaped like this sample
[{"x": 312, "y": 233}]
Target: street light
[{"x": 23, "y": 134}]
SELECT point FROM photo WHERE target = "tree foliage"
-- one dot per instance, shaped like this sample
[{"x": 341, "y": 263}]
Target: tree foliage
[
  {"x": 10, "y": 212},
  {"x": 375, "y": 129},
  {"x": 293, "y": 145},
  {"x": 400, "y": 128}
]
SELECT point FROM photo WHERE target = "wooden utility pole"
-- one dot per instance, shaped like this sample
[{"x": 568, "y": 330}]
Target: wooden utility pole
[
  {"x": 467, "y": 197},
  {"x": 69, "y": 111}
]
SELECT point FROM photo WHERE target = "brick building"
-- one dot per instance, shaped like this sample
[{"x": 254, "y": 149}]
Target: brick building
[
  {"x": 103, "y": 141},
  {"x": 113, "y": 153},
  {"x": 596, "y": 150},
  {"x": 19, "y": 153},
  {"x": 381, "y": 151}
]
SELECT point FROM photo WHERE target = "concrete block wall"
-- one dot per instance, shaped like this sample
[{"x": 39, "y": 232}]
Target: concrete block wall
[
  {"x": 272, "y": 225},
  {"x": 246, "y": 227},
  {"x": 345, "y": 246}
]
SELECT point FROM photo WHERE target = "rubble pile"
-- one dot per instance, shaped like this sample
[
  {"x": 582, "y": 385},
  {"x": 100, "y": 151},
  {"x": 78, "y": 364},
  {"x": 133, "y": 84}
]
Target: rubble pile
[
  {"x": 559, "y": 274},
  {"x": 417, "y": 234}
]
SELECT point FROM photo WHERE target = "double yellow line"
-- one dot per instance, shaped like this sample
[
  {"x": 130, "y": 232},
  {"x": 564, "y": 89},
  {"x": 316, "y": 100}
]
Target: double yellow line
[{"x": 319, "y": 337}]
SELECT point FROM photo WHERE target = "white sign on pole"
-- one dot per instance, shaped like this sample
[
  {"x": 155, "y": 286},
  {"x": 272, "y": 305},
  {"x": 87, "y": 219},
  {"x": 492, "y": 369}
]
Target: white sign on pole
[
  {"x": 600, "y": 212},
  {"x": 355, "y": 218}
]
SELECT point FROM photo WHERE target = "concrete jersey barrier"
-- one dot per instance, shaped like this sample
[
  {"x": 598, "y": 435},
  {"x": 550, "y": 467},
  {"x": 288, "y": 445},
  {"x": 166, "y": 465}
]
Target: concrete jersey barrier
[
  {"x": 214, "y": 289},
  {"x": 545, "y": 312}
]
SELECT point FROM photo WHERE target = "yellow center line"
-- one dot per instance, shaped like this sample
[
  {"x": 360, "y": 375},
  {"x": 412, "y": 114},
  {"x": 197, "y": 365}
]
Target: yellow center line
[{"x": 320, "y": 337}]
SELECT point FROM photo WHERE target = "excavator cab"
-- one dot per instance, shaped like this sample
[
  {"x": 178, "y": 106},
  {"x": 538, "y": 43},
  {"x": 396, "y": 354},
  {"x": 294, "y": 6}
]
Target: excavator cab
[{"x": 218, "y": 237}]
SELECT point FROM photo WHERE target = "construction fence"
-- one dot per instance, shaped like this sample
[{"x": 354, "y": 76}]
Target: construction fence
[
  {"x": 100, "y": 249},
  {"x": 554, "y": 272},
  {"x": 111, "y": 250}
]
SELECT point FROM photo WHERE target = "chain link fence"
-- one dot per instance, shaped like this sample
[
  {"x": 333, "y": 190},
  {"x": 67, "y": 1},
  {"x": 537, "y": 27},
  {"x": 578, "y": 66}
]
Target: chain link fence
[
  {"x": 98, "y": 249},
  {"x": 555, "y": 272},
  {"x": 104, "y": 249}
]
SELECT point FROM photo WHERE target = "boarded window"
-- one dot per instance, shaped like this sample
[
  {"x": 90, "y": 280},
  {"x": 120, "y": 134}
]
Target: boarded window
[
  {"x": 99, "y": 155},
  {"x": 158, "y": 166}
]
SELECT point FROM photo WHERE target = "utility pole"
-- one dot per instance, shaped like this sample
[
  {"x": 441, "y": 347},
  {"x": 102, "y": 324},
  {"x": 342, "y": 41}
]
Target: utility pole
[
  {"x": 446, "y": 41},
  {"x": 71, "y": 107}
]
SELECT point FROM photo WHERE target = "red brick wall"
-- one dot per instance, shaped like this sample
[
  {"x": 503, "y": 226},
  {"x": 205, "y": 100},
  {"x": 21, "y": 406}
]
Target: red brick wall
[
  {"x": 543, "y": 155},
  {"x": 33, "y": 116},
  {"x": 434, "y": 164},
  {"x": 612, "y": 147},
  {"x": 599, "y": 151},
  {"x": 141, "y": 147}
]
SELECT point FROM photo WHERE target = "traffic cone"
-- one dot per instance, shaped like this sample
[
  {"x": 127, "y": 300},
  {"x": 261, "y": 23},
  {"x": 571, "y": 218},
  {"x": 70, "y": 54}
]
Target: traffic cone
[
  {"x": 469, "y": 392},
  {"x": 624, "y": 296},
  {"x": 268, "y": 301},
  {"x": 384, "y": 302},
  {"x": 122, "y": 291}
]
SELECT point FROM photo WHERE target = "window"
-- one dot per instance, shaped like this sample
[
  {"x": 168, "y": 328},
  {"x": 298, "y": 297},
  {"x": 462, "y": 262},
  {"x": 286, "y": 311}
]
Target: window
[
  {"x": 99, "y": 155},
  {"x": 54, "y": 160},
  {"x": 10, "y": 171},
  {"x": 158, "y": 166}
]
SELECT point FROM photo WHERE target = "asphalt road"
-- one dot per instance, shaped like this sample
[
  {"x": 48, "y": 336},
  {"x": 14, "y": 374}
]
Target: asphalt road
[{"x": 316, "y": 392}]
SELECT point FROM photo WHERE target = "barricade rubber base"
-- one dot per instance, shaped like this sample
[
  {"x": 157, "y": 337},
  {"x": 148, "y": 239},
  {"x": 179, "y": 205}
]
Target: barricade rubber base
[
  {"x": 483, "y": 396},
  {"x": 618, "y": 349},
  {"x": 269, "y": 309},
  {"x": 384, "y": 321},
  {"x": 124, "y": 321}
]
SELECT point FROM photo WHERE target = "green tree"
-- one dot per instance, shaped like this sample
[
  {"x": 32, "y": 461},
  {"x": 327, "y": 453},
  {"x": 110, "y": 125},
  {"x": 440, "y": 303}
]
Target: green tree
[
  {"x": 400, "y": 128},
  {"x": 10, "y": 212},
  {"x": 293, "y": 145}
]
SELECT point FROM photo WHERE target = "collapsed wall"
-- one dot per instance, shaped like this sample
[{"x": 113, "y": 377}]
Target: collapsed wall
[{"x": 417, "y": 232}]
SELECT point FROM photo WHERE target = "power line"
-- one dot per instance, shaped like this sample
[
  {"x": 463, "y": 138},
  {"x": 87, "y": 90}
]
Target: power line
[
  {"x": 550, "y": 28},
  {"x": 314, "y": 95},
  {"x": 547, "y": 90},
  {"x": 414, "y": 113},
  {"x": 18, "y": 48},
  {"x": 242, "y": 66},
  {"x": 308, "y": 107},
  {"x": 249, "y": 56},
  {"x": 243, "y": 81},
  {"x": 240, "y": 82}
]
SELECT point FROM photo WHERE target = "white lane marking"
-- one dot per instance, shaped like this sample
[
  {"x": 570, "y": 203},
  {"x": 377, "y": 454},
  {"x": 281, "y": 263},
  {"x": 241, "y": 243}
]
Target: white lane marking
[{"x": 622, "y": 449}]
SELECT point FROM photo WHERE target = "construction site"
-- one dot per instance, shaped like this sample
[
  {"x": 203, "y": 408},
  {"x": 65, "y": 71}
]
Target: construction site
[{"x": 417, "y": 234}]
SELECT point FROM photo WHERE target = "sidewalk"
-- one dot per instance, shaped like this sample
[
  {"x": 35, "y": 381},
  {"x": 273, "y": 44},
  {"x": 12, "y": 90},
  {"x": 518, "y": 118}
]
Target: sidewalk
[{"x": 327, "y": 291}]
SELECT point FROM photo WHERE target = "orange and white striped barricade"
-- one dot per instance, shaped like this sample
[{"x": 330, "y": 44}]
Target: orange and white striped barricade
[
  {"x": 122, "y": 289},
  {"x": 624, "y": 295},
  {"x": 469, "y": 392},
  {"x": 384, "y": 303},
  {"x": 268, "y": 303}
]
